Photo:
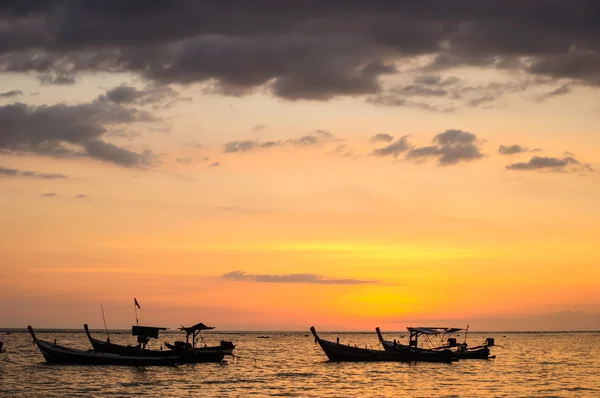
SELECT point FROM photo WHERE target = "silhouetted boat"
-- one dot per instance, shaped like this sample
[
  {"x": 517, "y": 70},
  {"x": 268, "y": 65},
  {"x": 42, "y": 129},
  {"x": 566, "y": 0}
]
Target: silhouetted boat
[
  {"x": 194, "y": 331},
  {"x": 341, "y": 352},
  {"x": 461, "y": 351},
  {"x": 56, "y": 354},
  {"x": 144, "y": 333}
]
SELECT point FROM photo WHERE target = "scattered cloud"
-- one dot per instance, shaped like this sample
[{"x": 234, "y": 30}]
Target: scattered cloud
[
  {"x": 71, "y": 131},
  {"x": 215, "y": 164},
  {"x": 81, "y": 196},
  {"x": 157, "y": 94},
  {"x": 567, "y": 163},
  {"x": 11, "y": 94},
  {"x": 511, "y": 149},
  {"x": 258, "y": 127},
  {"x": 382, "y": 137},
  {"x": 562, "y": 90},
  {"x": 292, "y": 278},
  {"x": 48, "y": 195},
  {"x": 184, "y": 160},
  {"x": 394, "y": 149},
  {"x": 7, "y": 172},
  {"x": 318, "y": 137},
  {"x": 449, "y": 147}
]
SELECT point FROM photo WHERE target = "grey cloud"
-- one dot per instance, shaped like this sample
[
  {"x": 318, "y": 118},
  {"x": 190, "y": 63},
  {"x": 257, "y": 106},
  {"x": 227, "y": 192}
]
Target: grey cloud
[
  {"x": 382, "y": 137},
  {"x": 394, "y": 149},
  {"x": 292, "y": 278},
  {"x": 566, "y": 163},
  {"x": 562, "y": 90},
  {"x": 511, "y": 149},
  {"x": 70, "y": 131},
  {"x": 7, "y": 172},
  {"x": 258, "y": 127},
  {"x": 319, "y": 137},
  {"x": 11, "y": 93},
  {"x": 184, "y": 160},
  {"x": 450, "y": 147},
  {"x": 151, "y": 94},
  {"x": 81, "y": 196},
  {"x": 298, "y": 49},
  {"x": 48, "y": 195},
  {"x": 215, "y": 164}
]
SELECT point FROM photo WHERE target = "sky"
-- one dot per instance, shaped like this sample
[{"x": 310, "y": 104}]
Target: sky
[{"x": 274, "y": 165}]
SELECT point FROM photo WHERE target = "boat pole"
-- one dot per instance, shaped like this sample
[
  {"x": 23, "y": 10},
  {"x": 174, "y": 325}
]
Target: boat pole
[
  {"x": 104, "y": 319},
  {"x": 467, "y": 332}
]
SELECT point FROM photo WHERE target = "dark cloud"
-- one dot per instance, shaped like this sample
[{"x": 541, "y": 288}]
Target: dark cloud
[
  {"x": 306, "y": 49},
  {"x": 151, "y": 94},
  {"x": 318, "y": 137},
  {"x": 511, "y": 149},
  {"x": 566, "y": 163},
  {"x": 48, "y": 195},
  {"x": 70, "y": 131},
  {"x": 394, "y": 149},
  {"x": 81, "y": 196},
  {"x": 449, "y": 147},
  {"x": 11, "y": 93},
  {"x": 382, "y": 137},
  {"x": 292, "y": 278},
  {"x": 215, "y": 164},
  {"x": 7, "y": 172},
  {"x": 562, "y": 90}
]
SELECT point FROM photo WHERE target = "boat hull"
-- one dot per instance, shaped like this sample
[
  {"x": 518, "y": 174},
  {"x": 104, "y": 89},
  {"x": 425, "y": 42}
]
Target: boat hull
[
  {"x": 227, "y": 350},
  {"x": 55, "y": 354},
  {"x": 184, "y": 355},
  {"x": 476, "y": 353},
  {"x": 345, "y": 353}
]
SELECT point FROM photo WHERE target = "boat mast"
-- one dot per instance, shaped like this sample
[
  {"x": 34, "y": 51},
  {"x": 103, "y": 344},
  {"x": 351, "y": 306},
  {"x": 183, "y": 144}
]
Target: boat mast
[{"x": 104, "y": 319}]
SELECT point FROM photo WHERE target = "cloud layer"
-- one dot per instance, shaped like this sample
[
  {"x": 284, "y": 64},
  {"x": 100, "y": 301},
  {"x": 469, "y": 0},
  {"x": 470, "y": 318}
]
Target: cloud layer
[
  {"x": 292, "y": 278},
  {"x": 306, "y": 49}
]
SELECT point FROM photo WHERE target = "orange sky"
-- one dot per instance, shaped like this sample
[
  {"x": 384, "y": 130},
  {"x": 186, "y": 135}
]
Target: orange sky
[{"x": 249, "y": 210}]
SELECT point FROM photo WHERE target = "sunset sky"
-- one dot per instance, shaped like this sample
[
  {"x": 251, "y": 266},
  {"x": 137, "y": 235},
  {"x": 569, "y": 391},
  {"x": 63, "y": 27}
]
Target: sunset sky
[{"x": 272, "y": 165}]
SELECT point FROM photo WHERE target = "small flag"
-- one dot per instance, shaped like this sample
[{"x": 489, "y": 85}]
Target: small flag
[{"x": 136, "y": 303}]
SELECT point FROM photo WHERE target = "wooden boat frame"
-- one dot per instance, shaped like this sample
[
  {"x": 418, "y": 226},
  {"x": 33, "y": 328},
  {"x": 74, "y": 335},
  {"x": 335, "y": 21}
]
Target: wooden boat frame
[
  {"x": 461, "y": 351},
  {"x": 185, "y": 355},
  {"x": 57, "y": 354},
  {"x": 337, "y": 352}
]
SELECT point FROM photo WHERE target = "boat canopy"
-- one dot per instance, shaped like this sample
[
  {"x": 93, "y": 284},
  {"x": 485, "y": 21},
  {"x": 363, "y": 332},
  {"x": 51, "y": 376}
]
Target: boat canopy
[
  {"x": 197, "y": 327},
  {"x": 432, "y": 330},
  {"x": 146, "y": 331}
]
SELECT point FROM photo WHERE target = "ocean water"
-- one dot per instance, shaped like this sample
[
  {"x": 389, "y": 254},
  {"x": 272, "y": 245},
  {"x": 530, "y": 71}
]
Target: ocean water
[{"x": 292, "y": 365}]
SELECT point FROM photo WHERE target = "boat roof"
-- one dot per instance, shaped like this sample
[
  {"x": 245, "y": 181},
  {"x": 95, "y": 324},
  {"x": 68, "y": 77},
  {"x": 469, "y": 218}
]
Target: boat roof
[
  {"x": 433, "y": 330},
  {"x": 196, "y": 327},
  {"x": 148, "y": 331}
]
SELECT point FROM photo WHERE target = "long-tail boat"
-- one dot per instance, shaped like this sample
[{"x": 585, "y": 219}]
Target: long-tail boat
[
  {"x": 442, "y": 341},
  {"x": 144, "y": 334},
  {"x": 56, "y": 354},
  {"x": 341, "y": 352},
  {"x": 194, "y": 331}
]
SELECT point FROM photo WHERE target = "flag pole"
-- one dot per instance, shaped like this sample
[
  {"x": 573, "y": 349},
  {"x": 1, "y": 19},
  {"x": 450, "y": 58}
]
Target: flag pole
[{"x": 135, "y": 308}]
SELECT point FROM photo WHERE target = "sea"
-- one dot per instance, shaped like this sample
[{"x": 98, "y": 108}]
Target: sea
[{"x": 290, "y": 364}]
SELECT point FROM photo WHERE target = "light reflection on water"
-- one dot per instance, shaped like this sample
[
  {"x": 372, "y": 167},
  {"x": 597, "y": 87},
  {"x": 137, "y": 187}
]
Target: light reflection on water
[{"x": 290, "y": 364}]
